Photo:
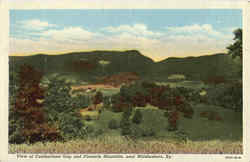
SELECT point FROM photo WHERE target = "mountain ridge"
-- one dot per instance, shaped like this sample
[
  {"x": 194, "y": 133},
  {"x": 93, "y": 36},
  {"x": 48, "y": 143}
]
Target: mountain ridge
[{"x": 88, "y": 64}]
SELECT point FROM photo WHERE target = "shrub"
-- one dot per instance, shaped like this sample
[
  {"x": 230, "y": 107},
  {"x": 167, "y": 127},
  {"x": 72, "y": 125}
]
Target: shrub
[
  {"x": 136, "y": 131},
  {"x": 125, "y": 123},
  {"x": 98, "y": 98},
  {"x": 113, "y": 124},
  {"x": 181, "y": 135},
  {"x": 99, "y": 132},
  {"x": 166, "y": 114},
  {"x": 172, "y": 120},
  {"x": 228, "y": 96},
  {"x": 137, "y": 118},
  {"x": 126, "y": 129},
  {"x": 148, "y": 132},
  {"x": 71, "y": 126},
  {"x": 15, "y": 134}
]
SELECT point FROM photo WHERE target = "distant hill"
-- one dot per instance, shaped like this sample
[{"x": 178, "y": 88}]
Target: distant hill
[
  {"x": 87, "y": 65},
  {"x": 93, "y": 65},
  {"x": 197, "y": 68}
]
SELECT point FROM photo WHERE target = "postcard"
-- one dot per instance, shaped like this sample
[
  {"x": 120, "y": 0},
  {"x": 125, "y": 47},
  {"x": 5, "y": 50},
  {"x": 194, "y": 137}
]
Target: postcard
[{"x": 88, "y": 81}]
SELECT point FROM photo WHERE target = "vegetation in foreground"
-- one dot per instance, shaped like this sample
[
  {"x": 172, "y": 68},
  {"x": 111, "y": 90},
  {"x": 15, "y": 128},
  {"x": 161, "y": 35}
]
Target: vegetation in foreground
[{"x": 119, "y": 144}]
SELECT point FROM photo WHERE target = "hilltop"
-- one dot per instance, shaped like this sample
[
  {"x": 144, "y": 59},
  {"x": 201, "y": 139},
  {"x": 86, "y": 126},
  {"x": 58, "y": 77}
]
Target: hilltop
[{"x": 90, "y": 66}]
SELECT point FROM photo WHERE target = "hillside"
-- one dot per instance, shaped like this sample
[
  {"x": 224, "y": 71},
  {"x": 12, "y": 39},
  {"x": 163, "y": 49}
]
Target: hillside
[
  {"x": 197, "y": 68},
  {"x": 86, "y": 65},
  {"x": 90, "y": 66}
]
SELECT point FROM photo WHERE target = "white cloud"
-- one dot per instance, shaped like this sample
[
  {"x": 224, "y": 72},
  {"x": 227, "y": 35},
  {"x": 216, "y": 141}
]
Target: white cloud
[
  {"x": 205, "y": 29},
  {"x": 182, "y": 41},
  {"x": 67, "y": 34},
  {"x": 35, "y": 24},
  {"x": 136, "y": 29}
]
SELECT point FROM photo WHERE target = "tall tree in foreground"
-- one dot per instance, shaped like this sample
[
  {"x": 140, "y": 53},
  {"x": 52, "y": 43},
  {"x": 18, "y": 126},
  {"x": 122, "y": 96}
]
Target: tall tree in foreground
[
  {"x": 29, "y": 107},
  {"x": 235, "y": 49}
]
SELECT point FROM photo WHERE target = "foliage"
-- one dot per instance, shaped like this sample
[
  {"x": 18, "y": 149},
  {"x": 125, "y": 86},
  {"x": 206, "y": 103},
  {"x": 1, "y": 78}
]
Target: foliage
[
  {"x": 227, "y": 96},
  {"x": 64, "y": 110},
  {"x": 232, "y": 97},
  {"x": 98, "y": 98},
  {"x": 71, "y": 126},
  {"x": 136, "y": 132},
  {"x": 113, "y": 124},
  {"x": 28, "y": 111},
  {"x": 137, "y": 118},
  {"x": 235, "y": 49},
  {"x": 148, "y": 132},
  {"x": 172, "y": 120},
  {"x": 142, "y": 93},
  {"x": 125, "y": 122},
  {"x": 15, "y": 129},
  {"x": 181, "y": 135}
]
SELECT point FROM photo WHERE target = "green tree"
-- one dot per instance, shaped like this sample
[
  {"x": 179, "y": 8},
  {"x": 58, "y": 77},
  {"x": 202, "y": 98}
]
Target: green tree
[
  {"x": 235, "y": 49},
  {"x": 137, "y": 118},
  {"x": 125, "y": 123},
  {"x": 64, "y": 110}
]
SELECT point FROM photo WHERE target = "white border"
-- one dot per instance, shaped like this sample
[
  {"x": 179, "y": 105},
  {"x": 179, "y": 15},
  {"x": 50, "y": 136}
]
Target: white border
[
  {"x": 4, "y": 81},
  {"x": 123, "y": 4}
]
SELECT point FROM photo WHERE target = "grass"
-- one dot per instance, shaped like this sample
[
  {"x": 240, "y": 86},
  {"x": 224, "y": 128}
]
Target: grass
[
  {"x": 197, "y": 128},
  {"x": 119, "y": 144}
]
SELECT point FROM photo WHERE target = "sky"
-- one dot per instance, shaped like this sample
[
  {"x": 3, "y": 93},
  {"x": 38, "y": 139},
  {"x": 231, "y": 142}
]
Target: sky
[{"x": 156, "y": 33}]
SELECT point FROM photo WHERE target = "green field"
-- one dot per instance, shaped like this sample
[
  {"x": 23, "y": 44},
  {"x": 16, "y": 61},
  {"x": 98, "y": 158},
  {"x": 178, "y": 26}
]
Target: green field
[{"x": 197, "y": 128}]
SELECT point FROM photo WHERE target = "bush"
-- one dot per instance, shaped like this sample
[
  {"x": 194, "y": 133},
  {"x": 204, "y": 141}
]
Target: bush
[
  {"x": 137, "y": 118},
  {"x": 136, "y": 131},
  {"x": 173, "y": 120},
  {"x": 126, "y": 129},
  {"x": 148, "y": 132},
  {"x": 125, "y": 117},
  {"x": 98, "y": 132},
  {"x": 113, "y": 124},
  {"x": 181, "y": 135},
  {"x": 71, "y": 126},
  {"x": 98, "y": 98},
  {"x": 15, "y": 131},
  {"x": 166, "y": 114},
  {"x": 125, "y": 123},
  {"x": 228, "y": 96}
]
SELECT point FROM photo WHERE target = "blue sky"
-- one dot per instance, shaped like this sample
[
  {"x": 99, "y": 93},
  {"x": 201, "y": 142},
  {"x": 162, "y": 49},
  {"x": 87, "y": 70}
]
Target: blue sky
[{"x": 156, "y": 33}]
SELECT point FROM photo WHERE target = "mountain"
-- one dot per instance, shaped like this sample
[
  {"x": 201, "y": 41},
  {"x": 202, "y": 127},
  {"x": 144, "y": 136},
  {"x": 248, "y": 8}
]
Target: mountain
[
  {"x": 90, "y": 66},
  {"x": 197, "y": 68}
]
